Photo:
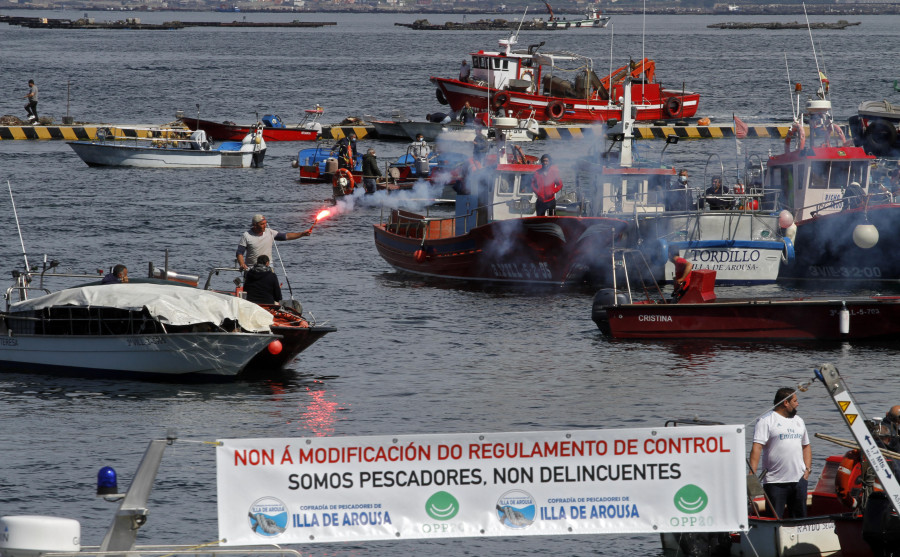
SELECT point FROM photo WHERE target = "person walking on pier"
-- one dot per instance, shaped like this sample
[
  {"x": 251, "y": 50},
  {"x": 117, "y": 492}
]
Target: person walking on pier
[{"x": 31, "y": 107}]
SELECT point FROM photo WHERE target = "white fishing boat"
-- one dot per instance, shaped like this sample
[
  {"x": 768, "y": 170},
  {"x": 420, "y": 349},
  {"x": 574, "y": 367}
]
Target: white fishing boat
[
  {"x": 40, "y": 536},
  {"x": 593, "y": 19},
  {"x": 730, "y": 233},
  {"x": 131, "y": 329},
  {"x": 172, "y": 148}
]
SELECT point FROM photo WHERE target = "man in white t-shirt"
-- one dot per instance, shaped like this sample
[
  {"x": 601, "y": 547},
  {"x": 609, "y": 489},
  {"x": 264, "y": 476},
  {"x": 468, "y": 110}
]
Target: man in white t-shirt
[
  {"x": 780, "y": 437},
  {"x": 258, "y": 241}
]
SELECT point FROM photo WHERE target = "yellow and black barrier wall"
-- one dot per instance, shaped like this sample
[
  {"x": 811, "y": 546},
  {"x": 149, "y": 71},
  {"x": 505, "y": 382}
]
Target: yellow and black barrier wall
[
  {"x": 89, "y": 132},
  {"x": 70, "y": 133}
]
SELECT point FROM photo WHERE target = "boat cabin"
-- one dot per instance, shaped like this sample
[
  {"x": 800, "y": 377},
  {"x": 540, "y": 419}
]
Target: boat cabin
[
  {"x": 507, "y": 69},
  {"x": 500, "y": 192}
]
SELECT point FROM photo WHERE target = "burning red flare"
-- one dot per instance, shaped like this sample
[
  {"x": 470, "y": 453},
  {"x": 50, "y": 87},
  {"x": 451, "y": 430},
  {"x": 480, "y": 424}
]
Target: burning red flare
[{"x": 325, "y": 213}]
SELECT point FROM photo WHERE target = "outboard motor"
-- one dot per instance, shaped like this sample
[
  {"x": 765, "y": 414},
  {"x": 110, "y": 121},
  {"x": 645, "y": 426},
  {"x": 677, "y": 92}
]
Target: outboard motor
[
  {"x": 272, "y": 121},
  {"x": 199, "y": 141},
  {"x": 603, "y": 300},
  {"x": 881, "y": 526}
]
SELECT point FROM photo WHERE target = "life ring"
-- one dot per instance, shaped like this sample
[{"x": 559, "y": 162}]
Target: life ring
[
  {"x": 500, "y": 100},
  {"x": 839, "y": 132},
  {"x": 440, "y": 96},
  {"x": 674, "y": 107},
  {"x": 847, "y": 481},
  {"x": 880, "y": 137},
  {"x": 555, "y": 110},
  {"x": 342, "y": 182},
  {"x": 528, "y": 75},
  {"x": 796, "y": 132}
]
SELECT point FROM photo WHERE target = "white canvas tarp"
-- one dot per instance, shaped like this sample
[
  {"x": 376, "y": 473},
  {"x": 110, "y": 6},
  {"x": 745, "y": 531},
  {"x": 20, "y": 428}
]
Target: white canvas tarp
[{"x": 171, "y": 305}]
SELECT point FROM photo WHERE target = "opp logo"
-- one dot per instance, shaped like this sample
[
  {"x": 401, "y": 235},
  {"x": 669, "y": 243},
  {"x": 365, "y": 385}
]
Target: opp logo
[
  {"x": 690, "y": 499},
  {"x": 442, "y": 506}
]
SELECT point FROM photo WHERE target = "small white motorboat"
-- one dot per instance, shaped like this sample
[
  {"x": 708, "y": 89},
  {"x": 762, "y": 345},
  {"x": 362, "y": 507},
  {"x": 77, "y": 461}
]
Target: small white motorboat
[
  {"x": 172, "y": 148},
  {"x": 132, "y": 329}
]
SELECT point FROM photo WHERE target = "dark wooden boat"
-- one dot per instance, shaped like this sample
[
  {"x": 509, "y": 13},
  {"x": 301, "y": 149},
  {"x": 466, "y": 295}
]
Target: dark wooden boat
[{"x": 496, "y": 237}]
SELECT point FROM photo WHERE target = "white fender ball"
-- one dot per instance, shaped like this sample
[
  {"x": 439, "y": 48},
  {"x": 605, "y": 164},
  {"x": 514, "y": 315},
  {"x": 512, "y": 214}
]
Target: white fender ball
[
  {"x": 785, "y": 219},
  {"x": 865, "y": 236}
]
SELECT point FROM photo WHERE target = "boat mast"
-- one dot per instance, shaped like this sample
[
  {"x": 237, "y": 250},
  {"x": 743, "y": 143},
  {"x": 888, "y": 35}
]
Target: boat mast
[{"x": 19, "y": 228}]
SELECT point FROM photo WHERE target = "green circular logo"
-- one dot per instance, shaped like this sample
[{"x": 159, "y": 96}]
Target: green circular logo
[
  {"x": 442, "y": 506},
  {"x": 690, "y": 499}
]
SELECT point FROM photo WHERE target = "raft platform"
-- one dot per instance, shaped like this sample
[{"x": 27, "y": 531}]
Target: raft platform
[
  {"x": 573, "y": 132},
  {"x": 135, "y": 23}
]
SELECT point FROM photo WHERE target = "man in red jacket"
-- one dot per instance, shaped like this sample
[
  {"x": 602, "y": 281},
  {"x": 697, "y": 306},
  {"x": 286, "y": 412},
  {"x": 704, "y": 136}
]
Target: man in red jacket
[{"x": 545, "y": 185}]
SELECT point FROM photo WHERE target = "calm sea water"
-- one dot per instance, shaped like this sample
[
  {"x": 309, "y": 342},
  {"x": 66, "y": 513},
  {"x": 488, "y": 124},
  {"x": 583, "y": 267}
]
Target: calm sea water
[{"x": 409, "y": 356}]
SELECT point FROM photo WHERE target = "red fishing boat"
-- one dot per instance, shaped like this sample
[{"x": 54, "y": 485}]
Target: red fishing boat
[
  {"x": 273, "y": 128},
  {"x": 496, "y": 237},
  {"x": 699, "y": 314},
  {"x": 519, "y": 81}
]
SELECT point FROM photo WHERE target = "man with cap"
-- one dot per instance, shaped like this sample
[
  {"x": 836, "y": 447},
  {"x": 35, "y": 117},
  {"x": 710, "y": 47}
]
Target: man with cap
[{"x": 258, "y": 241}]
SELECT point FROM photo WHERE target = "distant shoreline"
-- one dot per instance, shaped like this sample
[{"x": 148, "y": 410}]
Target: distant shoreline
[{"x": 767, "y": 10}]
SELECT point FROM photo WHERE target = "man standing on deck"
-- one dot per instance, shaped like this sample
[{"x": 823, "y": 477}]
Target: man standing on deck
[
  {"x": 780, "y": 436},
  {"x": 258, "y": 241},
  {"x": 682, "y": 277},
  {"x": 465, "y": 71},
  {"x": 346, "y": 152},
  {"x": 546, "y": 183}
]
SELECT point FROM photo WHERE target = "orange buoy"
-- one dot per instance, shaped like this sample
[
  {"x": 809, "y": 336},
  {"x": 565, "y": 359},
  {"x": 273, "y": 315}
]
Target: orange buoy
[
  {"x": 275, "y": 347},
  {"x": 703, "y": 122},
  {"x": 419, "y": 256}
]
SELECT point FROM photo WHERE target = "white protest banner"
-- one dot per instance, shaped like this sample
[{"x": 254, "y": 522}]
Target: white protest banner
[{"x": 303, "y": 490}]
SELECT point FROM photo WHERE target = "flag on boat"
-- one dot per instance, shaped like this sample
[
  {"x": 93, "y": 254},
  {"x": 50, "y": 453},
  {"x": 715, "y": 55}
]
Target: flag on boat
[
  {"x": 824, "y": 81},
  {"x": 740, "y": 128}
]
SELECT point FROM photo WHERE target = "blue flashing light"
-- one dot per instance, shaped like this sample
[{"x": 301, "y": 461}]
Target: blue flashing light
[{"x": 107, "y": 483}]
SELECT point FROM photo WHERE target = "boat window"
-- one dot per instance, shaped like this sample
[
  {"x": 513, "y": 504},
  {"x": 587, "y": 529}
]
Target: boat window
[
  {"x": 525, "y": 184},
  {"x": 840, "y": 175},
  {"x": 505, "y": 184},
  {"x": 818, "y": 175},
  {"x": 859, "y": 172}
]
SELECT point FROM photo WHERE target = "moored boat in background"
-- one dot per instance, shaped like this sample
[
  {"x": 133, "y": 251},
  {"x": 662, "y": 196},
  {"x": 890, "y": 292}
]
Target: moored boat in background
[
  {"x": 519, "y": 81},
  {"x": 876, "y": 127},
  {"x": 172, "y": 148},
  {"x": 273, "y": 127}
]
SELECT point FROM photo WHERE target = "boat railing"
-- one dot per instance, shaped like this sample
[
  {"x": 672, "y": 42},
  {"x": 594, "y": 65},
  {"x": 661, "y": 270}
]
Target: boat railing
[
  {"x": 71, "y": 320},
  {"x": 177, "y": 550}
]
